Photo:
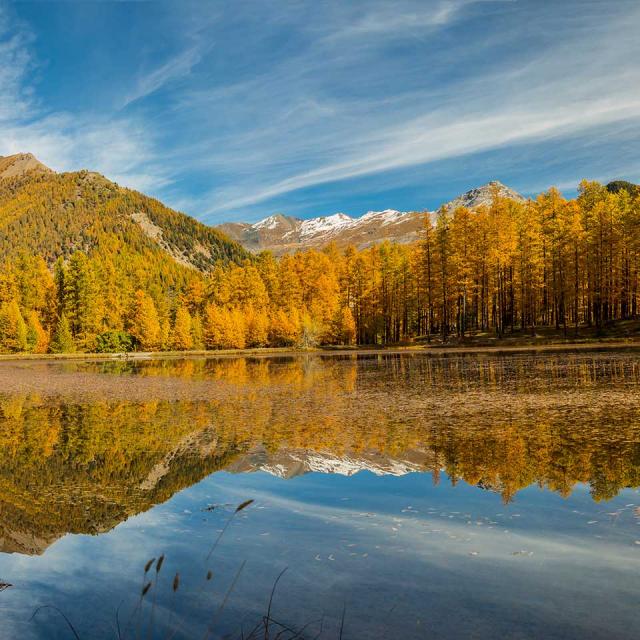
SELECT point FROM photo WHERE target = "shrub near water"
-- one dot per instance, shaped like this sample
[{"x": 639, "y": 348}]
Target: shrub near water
[{"x": 114, "y": 342}]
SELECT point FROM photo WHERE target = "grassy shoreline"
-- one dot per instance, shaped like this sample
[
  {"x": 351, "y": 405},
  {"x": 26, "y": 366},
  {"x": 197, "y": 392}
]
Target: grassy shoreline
[{"x": 506, "y": 345}]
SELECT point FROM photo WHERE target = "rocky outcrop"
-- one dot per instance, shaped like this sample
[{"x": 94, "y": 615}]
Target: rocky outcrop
[
  {"x": 19, "y": 164},
  {"x": 483, "y": 196}
]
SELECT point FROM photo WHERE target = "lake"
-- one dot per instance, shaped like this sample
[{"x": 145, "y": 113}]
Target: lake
[{"x": 394, "y": 496}]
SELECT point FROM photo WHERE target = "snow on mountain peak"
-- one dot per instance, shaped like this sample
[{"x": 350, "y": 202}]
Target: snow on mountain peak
[
  {"x": 325, "y": 224},
  {"x": 284, "y": 234},
  {"x": 292, "y": 463},
  {"x": 268, "y": 223},
  {"x": 384, "y": 217}
]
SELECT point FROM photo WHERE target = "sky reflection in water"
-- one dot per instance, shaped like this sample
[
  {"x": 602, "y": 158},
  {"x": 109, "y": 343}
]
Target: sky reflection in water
[{"x": 481, "y": 552}]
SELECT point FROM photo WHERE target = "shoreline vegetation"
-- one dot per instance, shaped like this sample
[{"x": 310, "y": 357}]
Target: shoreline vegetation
[{"x": 504, "y": 345}]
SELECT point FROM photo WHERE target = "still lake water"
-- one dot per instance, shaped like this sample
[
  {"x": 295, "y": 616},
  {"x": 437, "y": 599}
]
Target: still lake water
[{"x": 424, "y": 496}]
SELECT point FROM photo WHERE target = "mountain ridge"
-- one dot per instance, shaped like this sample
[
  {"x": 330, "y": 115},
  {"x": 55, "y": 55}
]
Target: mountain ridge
[
  {"x": 83, "y": 210},
  {"x": 290, "y": 463},
  {"x": 184, "y": 239},
  {"x": 283, "y": 234}
]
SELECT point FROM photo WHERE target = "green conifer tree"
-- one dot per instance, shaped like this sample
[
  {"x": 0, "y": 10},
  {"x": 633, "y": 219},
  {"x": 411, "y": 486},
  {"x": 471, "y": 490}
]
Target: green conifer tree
[{"x": 63, "y": 338}]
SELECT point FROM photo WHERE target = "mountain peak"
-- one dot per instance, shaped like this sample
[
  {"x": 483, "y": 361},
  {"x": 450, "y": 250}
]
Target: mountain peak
[
  {"x": 274, "y": 221},
  {"x": 20, "y": 164},
  {"x": 483, "y": 196}
]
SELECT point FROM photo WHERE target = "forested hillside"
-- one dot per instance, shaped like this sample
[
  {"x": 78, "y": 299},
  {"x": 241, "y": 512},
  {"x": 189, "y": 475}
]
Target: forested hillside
[
  {"x": 53, "y": 215},
  {"x": 105, "y": 241},
  {"x": 93, "y": 267}
]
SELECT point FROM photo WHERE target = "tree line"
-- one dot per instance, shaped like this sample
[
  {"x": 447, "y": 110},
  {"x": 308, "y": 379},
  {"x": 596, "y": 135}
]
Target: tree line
[{"x": 505, "y": 267}]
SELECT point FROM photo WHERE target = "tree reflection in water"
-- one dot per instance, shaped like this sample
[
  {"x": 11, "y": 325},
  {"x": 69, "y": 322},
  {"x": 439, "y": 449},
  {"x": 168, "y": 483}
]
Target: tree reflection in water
[{"x": 86, "y": 445}]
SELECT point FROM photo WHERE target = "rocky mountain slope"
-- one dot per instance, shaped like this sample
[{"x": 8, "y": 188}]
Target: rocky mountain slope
[
  {"x": 54, "y": 214},
  {"x": 284, "y": 234},
  {"x": 19, "y": 164},
  {"x": 483, "y": 196}
]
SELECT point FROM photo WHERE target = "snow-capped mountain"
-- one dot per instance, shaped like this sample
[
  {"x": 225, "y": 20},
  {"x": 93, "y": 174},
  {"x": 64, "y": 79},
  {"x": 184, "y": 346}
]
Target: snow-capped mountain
[
  {"x": 325, "y": 224},
  {"x": 284, "y": 234},
  {"x": 288, "y": 463}
]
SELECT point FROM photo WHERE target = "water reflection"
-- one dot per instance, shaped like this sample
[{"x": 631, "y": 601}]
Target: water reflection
[{"x": 86, "y": 445}]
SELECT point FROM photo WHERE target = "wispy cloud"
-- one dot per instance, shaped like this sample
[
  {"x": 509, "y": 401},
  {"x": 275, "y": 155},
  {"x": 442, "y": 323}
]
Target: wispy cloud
[
  {"x": 420, "y": 142},
  {"x": 15, "y": 61},
  {"x": 176, "y": 67},
  {"x": 255, "y": 108},
  {"x": 385, "y": 20},
  {"x": 121, "y": 147},
  {"x": 548, "y": 94}
]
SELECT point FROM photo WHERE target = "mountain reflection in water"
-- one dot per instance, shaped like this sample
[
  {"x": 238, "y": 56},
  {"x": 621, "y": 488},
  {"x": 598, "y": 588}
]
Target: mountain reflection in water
[
  {"x": 377, "y": 479},
  {"x": 83, "y": 464}
]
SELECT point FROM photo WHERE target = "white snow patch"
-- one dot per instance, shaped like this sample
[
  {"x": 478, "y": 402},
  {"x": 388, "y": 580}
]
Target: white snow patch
[
  {"x": 268, "y": 223},
  {"x": 325, "y": 224},
  {"x": 345, "y": 465},
  {"x": 388, "y": 216},
  {"x": 316, "y": 228}
]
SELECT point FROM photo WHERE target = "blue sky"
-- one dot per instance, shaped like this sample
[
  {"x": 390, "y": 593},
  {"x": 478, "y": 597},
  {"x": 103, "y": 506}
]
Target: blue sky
[{"x": 237, "y": 110}]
